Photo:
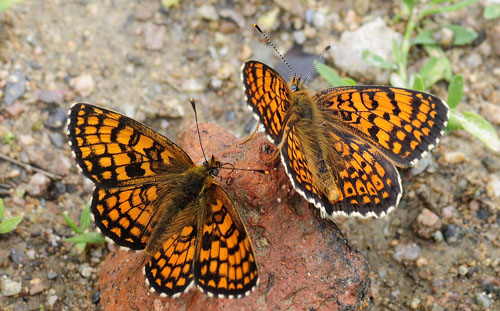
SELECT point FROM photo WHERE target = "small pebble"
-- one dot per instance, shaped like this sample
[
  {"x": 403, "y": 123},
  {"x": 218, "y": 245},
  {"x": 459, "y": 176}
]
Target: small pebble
[
  {"x": 406, "y": 252},
  {"x": 415, "y": 303},
  {"x": 438, "y": 236},
  {"x": 15, "y": 87},
  {"x": 208, "y": 12},
  {"x": 421, "y": 262},
  {"x": 192, "y": 85},
  {"x": 452, "y": 233},
  {"x": 483, "y": 213},
  {"x": 31, "y": 254},
  {"x": 8, "y": 287},
  {"x": 51, "y": 300},
  {"x": 85, "y": 270},
  {"x": 37, "y": 286},
  {"x": 444, "y": 37},
  {"x": 154, "y": 36},
  {"x": 299, "y": 37},
  {"x": 51, "y": 275},
  {"x": 144, "y": 11},
  {"x": 58, "y": 139},
  {"x": 454, "y": 157},
  {"x": 96, "y": 297},
  {"x": 51, "y": 96},
  {"x": 38, "y": 184},
  {"x": 83, "y": 84},
  {"x": 462, "y": 270},
  {"x": 482, "y": 300}
]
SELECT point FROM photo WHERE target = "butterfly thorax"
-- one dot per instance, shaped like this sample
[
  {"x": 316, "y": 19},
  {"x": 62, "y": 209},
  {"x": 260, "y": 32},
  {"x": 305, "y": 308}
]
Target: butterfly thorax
[
  {"x": 182, "y": 201},
  {"x": 310, "y": 123}
]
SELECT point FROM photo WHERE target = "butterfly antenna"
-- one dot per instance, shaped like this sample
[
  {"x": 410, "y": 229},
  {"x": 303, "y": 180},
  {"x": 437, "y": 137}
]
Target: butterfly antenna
[
  {"x": 193, "y": 104},
  {"x": 232, "y": 168},
  {"x": 275, "y": 49},
  {"x": 315, "y": 62}
]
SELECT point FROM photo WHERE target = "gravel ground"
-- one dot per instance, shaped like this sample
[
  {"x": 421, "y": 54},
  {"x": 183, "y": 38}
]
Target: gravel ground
[{"x": 438, "y": 251}]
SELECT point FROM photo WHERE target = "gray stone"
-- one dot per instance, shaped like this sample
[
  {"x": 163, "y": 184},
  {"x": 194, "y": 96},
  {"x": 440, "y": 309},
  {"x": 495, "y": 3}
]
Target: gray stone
[
  {"x": 374, "y": 36},
  {"x": 15, "y": 87},
  {"x": 406, "y": 252},
  {"x": 38, "y": 184},
  {"x": 9, "y": 287}
]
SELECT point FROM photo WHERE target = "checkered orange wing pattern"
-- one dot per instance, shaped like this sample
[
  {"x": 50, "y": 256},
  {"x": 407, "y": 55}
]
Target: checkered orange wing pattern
[
  {"x": 170, "y": 270},
  {"x": 268, "y": 95},
  {"x": 125, "y": 215},
  {"x": 149, "y": 195},
  {"x": 225, "y": 264},
  {"x": 113, "y": 150},
  {"x": 360, "y": 181},
  {"x": 404, "y": 124}
]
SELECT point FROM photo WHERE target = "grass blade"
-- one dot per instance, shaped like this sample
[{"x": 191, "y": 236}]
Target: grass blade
[{"x": 10, "y": 224}]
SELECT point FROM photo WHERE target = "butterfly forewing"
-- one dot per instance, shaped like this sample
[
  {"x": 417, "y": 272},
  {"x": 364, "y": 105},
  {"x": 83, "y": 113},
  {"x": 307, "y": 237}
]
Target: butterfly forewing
[
  {"x": 268, "y": 95},
  {"x": 403, "y": 124},
  {"x": 114, "y": 150},
  {"x": 226, "y": 265}
]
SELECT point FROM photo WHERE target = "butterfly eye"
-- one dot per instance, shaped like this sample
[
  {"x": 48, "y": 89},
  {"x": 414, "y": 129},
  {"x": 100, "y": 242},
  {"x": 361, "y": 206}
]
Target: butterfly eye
[
  {"x": 214, "y": 172},
  {"x": 294, "y": 88}
]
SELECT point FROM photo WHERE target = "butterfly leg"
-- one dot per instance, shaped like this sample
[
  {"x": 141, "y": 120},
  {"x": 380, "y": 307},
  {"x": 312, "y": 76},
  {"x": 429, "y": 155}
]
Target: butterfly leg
[{"x": 251, "y": 135}]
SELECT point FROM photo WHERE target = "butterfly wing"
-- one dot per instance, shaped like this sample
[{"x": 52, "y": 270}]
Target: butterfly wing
[
  {"x": 268, "y": 95},
  {"x": 169, "y": 271},
  {"x": 114, "y": 150},
  {"x": 403, "y": 124},
  {"x": 124, "y": 158},
  {"x": 366, "y": 183},
  {"x": 225, "y": 262}
]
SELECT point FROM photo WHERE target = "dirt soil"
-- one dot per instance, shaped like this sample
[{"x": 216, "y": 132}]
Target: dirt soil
[{"x": 439, "y": 250}]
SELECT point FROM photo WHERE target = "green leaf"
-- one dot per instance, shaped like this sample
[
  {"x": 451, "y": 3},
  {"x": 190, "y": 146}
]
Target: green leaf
[
  {"x": 329, "y": 74},
  {"x": 348, "y": 81},
  {"x": 455, "y": 91},
  {"x": 375, "y": 60},
  {"x": 454, "y": 122},
  {"x": 492, "y": 11},
  {"x": 10, "y": 224},
  {"x": 418, "y": 84},
  {"x": 424, "y": 37},
  {"x": 397, "y": 81},
  {"x": 6, "y": 4},
  {"x": 70, "y": 223},
  {"x": 442, "y": 9},
  {"x": 87, "y": 237},
  {"x": 396, "y": 51},
  {"x": 1, "y": 209},
  {"x": 409, "y": 5},
  {"x": 477, "y": 126},
  {"x": 168, "y": 3},
  {"x": 85, "y": 219},
  {"x": 462, "y": 35}
]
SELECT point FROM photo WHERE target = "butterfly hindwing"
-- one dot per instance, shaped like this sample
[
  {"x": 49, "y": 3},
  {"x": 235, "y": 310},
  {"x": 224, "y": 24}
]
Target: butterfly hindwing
[
  {"x": 225, "y": 264},
  {"x": 114, "y": 150},
  {"x": 125, "y": 215},
  {"x": 170, "y": 269},
  {"x": 365, "y": 182},
  {"x": 268, "y": 95},
  {"x": 404, "y": 124}
]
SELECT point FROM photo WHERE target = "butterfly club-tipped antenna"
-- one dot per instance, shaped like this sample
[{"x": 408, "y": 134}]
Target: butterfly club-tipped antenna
[
  {"x": 275, "y": 49},
  {"x": 193, "y": 105},
  {"x": 315, "y": 63}
]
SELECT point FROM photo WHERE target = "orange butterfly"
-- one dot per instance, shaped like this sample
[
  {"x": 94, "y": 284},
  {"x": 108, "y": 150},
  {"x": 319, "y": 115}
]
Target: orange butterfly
[
  {"x": 150, "y": 195},
  {"x": 340, "y": 147}
]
